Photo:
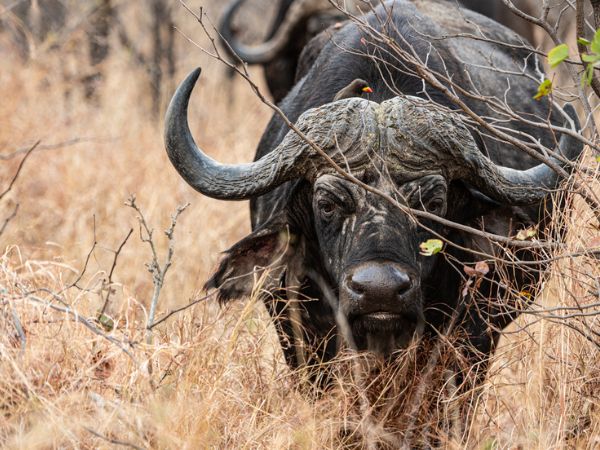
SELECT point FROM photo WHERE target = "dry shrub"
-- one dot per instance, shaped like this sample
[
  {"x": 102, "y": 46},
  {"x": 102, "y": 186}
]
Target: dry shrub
[
  {"x": 215, "y": 377},
  {"x": 542, "y": 390}
]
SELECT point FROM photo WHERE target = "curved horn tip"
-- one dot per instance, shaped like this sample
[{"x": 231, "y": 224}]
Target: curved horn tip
[
  {"x": 190, "y": 81},
  {"x": 179, "y": 102}
]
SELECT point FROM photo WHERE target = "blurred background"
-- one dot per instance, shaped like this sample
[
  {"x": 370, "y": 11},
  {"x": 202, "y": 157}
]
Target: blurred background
[{"x": 91, "y": 80}]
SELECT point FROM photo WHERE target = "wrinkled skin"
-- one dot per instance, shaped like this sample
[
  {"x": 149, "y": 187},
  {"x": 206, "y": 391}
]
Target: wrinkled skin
[{"x": 345, "y": 262}]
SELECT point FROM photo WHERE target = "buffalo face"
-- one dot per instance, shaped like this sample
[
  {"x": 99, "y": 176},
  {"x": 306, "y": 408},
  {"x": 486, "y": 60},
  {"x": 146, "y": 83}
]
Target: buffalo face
[{"x": 371, "y": 247}]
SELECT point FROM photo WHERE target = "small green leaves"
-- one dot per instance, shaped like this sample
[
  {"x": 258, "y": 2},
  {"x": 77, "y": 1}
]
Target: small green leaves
[
  {"x": 588, "y": 75},
  {"x": 595, "y": 44},
  {"x": 430, "y": 247},
  {"x": 545, "y": 88},
  {"x": 592, "y": 58},
  {"x": 598, "y": 159},
  {"x": 107, "y": 323},
  {"x": 558, "y": 54}
]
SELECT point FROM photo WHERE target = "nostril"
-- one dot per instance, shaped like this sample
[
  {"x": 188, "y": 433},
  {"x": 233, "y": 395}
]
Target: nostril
[
  {"x": 403, "y": 287},
  {"x": 402, "y": 282},
  {"x": 357, "y": 286}
]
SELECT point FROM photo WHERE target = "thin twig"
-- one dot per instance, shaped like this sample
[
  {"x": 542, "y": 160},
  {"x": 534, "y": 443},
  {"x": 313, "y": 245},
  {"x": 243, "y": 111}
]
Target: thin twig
[
  {"x": 82, "y": 320},
  {"x": 18, "y": 327},
  {"x": 6, "y": 156},
  {"x": 21, "y": 164},
  {"x": 183, "y": 308},
  {"x": 8, "y": 219},
  {"x": 108, "y": 283}
]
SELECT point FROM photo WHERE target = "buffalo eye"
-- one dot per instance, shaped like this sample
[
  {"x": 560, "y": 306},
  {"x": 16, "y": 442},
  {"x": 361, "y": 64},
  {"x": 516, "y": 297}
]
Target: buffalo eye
[
  {"x": 428, "y": 193},
  {"x": 436, "y": 206},
  {"x": 327, "y": 208}
]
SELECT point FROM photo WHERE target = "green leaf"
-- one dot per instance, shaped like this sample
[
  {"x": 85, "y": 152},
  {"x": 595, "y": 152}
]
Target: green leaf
[
  {"x": 558, "y": 54},
  {"x": 598, "y": 159},
  {"x": 595, "y": 45},
  {"x": 591, "y": 58},
  {"x": 588, "y": 75},
  {"x": 107, "y": 323},
  {"x": 544, "y": 89},
  {"x": 583, "y": 41},
  {"x": 430, "y": 247}
]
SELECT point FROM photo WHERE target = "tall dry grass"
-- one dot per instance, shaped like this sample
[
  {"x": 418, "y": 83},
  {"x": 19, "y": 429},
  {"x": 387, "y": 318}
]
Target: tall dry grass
[{"x": 212, "y": 377}]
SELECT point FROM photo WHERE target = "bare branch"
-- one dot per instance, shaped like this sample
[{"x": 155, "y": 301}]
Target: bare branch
[
  {"x": 106, "y": 285},
  {"x": 10, "y": 217},
  {"x": 154, "y": 267},
  {"x": 21, "y": 164},
  {"x": 10, "y": 155},
  {"x": 183, "y": 308},
  {"x": 82, "y": 320}
]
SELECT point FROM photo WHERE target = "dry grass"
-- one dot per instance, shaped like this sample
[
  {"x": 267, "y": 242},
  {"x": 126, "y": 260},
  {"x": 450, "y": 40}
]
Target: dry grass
[{"x": 212, "y": 377}]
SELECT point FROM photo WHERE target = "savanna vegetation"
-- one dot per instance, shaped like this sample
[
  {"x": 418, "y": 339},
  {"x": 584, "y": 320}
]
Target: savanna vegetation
[{"x": 87, "y": 193}]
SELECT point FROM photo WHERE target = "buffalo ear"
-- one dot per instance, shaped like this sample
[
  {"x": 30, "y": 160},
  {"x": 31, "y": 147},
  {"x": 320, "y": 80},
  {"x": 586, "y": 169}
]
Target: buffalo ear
[{"x": 265, "y": 252}]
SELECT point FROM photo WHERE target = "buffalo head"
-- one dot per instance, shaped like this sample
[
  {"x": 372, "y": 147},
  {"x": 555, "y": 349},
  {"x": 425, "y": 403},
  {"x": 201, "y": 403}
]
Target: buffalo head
[{"x": 408, "y": 149}]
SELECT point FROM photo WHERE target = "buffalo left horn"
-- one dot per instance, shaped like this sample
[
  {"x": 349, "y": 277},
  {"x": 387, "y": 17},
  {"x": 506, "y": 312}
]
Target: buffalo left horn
[
  {"x": 347, "y": 124},
  {"x": 450, "y": 143},
  {"x": 522, "y": 187}
]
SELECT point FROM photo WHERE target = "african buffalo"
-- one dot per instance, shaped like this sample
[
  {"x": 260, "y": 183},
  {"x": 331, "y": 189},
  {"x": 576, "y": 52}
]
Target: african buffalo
[
  {"x": 343, "y": 250},
  {"x": 296, "y": 22}
]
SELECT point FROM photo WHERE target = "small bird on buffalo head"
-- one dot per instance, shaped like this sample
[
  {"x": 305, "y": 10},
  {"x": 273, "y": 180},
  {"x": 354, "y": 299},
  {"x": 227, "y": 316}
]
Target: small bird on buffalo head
[{"x": 354, "y": 89}]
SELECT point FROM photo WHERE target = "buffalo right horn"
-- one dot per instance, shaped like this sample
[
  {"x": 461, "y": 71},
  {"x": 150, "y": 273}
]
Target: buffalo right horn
[
  {"x": 349, "y": 126},
  {"x": 211, "y": 178}
]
